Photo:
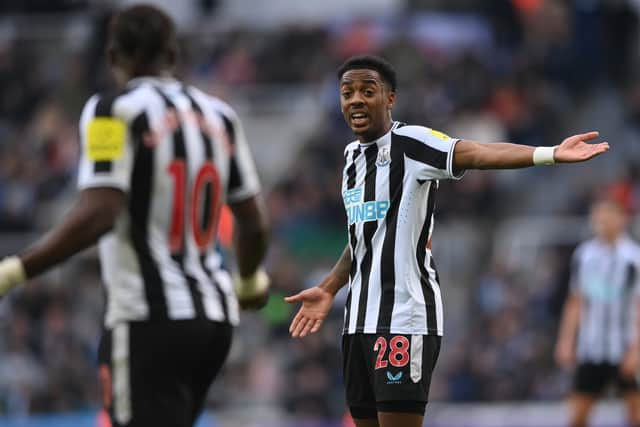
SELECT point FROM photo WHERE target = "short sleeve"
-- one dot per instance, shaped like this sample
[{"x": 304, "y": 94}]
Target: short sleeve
[
  {"x": 106, "y": 156},
  {"x": 431, "y": 150},
  {"x": 243, "y": 181}
]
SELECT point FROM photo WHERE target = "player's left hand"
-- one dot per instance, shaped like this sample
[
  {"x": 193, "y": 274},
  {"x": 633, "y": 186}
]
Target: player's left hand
[
  {"x": 629, "y": 365},
  {"x": 316, "y": 304},
  {"x": 576, "y": 149}
]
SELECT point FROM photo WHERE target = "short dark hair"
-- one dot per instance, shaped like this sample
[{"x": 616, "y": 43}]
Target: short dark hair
[
  {"x": 143, "y": 33},
  {"x": 370, "y": 62}
]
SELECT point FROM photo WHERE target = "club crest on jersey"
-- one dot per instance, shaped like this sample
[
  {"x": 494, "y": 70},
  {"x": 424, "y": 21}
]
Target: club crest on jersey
[{"x": 384, "y": 157}]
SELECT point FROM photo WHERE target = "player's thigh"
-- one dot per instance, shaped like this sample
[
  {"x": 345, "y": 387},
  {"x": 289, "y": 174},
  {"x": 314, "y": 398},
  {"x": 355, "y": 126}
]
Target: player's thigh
[
  {"x": 397, "y": 419},
  {"x": 403, "y": 371},
  {"x": 208, "y": 361},
  {"x": 591, "y": 379},
  {"x": 154, "y": 369},
  {"x": 357, "y": 371},
  {"x": 144, "y": 378}
]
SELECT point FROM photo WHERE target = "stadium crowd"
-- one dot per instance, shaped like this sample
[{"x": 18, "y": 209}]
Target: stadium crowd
[{"x": 521, "y": 71}]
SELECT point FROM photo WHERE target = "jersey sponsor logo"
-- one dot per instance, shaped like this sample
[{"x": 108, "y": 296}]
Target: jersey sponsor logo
[
  {"x": 394, "y": 379},
  {"x": 384, "y": 157},
  {"x": 439, "y": 134},
  {"x": 359, "y": 211},
  {"x": 598, "y": 288},
  {"x": 352, "y": 196},
  {"x": 105, "y": 139}
]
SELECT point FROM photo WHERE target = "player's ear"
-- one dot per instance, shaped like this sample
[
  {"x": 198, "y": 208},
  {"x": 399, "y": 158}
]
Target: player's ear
[{"x": 391, "y": 99}]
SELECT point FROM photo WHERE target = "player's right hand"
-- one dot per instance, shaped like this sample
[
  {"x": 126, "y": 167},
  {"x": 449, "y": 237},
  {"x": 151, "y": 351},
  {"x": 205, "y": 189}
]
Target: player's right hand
[
  {"x": 565, "y": 354},
  {"x": 316, "y": 303}
]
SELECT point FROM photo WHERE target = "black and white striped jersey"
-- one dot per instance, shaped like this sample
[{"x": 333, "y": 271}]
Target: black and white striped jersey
[
  {"x": 389, "y": 188},
  {"x": 606, "y": 277},
  {"x": 178, "y": 154}
]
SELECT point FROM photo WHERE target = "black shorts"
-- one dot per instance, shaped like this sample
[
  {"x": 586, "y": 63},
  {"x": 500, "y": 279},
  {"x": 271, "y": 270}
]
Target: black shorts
[
  {"x": 593, "y": 378},
  {"x": 388, "y": 372},
  {"x": 158, "y": 373}
]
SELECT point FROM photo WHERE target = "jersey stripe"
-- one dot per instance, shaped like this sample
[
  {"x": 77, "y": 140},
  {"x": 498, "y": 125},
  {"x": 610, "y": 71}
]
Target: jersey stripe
[
  {"x": 421, "y": 254},
  {"x": 388, "y": 276},
  {"x": 180, "y": 152},
  {"x": 424, "y": 153},
  {"x": 371, "y": 153},
  {"x": 139, "y": 206},
  {"x": 604, "y": 276},
  {"x": 235, "y": 179},
  {"x": 353, "y": 240},
  {"x": 208, "y": 150}
]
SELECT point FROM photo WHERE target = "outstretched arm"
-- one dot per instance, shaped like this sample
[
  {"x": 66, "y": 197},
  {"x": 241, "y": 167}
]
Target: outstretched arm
[
  {"x": 316, "y": 301},
  {"x": 93, "y": 215},
  {"x": 476, "y": 155}
]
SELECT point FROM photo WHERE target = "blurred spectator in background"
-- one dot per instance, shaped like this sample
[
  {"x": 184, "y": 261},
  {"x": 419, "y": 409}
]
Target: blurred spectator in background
[{"x": 600, "y": 330}]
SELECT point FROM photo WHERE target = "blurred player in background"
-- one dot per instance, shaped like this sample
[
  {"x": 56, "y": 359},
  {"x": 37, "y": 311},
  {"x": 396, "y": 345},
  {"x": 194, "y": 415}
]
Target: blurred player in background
[
  {"x": 599, "y": 328},
  {"x": 393, "y": 316},
  {"x": 158, "y": 161}
]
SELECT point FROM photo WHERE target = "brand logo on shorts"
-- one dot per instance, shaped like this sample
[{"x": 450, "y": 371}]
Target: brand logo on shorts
[{"x": 394, "y": 379}]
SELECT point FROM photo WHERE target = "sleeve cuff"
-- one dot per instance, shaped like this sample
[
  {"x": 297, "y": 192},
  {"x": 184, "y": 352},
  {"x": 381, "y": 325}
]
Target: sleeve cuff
[
  {"x": 450, "y": 154},
  {"x": 105, "y": 182}
]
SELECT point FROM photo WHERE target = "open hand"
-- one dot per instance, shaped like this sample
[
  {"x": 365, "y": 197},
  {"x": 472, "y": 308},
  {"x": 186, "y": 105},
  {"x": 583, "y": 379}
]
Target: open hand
[
  {"x": 576, "y": 149},
  {"x": 316, "y": 303}
]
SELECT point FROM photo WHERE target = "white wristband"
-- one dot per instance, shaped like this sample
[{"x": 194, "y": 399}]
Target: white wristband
[
  {"x": 252, "y": 286},
  {"x": 12, "y": 274},
  {"x": 544, "y": 155}
]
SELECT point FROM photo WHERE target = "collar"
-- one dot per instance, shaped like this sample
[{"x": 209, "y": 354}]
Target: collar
[
  {"x": 621, "y": 240},
  {"x": 153, "y": 80},
  {"x": 383, "y": 139}
]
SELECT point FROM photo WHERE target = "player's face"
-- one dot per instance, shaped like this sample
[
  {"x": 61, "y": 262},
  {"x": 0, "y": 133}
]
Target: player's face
[
  {"x": 608, "y": 220},
  {"x": 366, "y": 102}
]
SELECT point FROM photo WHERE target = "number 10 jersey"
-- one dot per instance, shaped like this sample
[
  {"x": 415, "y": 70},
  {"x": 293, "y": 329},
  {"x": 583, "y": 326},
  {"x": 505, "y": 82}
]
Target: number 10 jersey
[{"x": 178, "y": 154}]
